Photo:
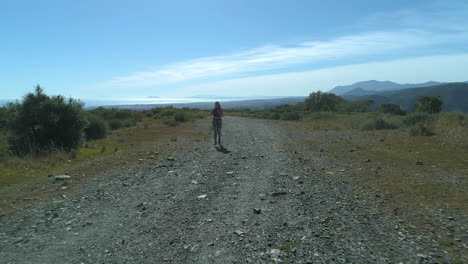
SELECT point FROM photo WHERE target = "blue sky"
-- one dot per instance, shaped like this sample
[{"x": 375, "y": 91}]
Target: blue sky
[{"x": 135, "y": 49}]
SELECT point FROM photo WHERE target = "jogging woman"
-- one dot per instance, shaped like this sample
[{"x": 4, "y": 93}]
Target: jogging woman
[{"x": 217, "y": 115}]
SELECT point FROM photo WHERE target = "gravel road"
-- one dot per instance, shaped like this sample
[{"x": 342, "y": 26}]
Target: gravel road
[{"x": 253, "y": 201}]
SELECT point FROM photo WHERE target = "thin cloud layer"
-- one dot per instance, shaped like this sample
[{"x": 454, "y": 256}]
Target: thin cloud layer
[{"x": 412, "y": 36}]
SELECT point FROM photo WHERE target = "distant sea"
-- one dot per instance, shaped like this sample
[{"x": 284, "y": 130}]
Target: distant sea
[{"x": 134, "y": 101}]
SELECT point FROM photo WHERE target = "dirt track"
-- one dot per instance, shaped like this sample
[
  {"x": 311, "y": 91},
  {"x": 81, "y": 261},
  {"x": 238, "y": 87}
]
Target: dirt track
[{"x": 253, "y": 201}]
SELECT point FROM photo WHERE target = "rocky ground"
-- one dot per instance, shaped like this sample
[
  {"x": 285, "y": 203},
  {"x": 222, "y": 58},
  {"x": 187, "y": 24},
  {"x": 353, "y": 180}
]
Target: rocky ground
[{"x": 252, "y": 201}]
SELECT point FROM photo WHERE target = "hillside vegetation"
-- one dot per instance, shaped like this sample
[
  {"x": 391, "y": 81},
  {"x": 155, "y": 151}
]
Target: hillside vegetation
[{"x": 50, "y": 135}]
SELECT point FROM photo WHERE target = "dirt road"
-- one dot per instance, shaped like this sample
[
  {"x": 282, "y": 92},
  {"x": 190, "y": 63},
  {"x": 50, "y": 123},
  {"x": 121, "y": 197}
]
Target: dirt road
[{"x": 251, "y": 202}]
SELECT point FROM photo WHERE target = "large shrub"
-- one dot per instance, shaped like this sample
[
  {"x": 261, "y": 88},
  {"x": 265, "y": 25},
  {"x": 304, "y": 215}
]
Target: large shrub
[
  {"x": 96, "y": 129},
  {"x": 429, "y": 104},
  {"x": 319, "y": 101},
  {"x": 116, "y": 124},
  {"x": 393, "y": 109},
  {"x": 421, "y": 130},
  {"x": 417, "y": 118},
  {"x": 41, "y": 123},
  {"x": 181, "y": 117}
]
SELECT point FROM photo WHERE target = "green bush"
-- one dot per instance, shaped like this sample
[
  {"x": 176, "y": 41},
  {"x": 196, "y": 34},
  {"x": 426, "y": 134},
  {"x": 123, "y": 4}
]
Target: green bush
[
  {"x": 290, "y": 116},
  {"x": 319, "y": 101},
  {"x": 96, "y": 129},
  {"x": 116, "y": 124},
  {"x": 275, "y": 116},
  {"x": 417, "y": 118},
  {"x": 181, "y": 117},
  {"x": 451, "y": 119},
  {"x": 167, "y": 112},
  {"x": 421, "y": 130},
  {"x": 41, "y": 123},
  {"x": 429, "y": 104},
  {"x": 378, "y": 123},
  {"x": 393, "y": 109},
  {"x": 170, "y": 122}
]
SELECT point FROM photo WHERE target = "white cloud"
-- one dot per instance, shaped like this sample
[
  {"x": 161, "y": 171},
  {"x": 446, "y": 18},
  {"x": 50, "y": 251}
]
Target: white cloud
[
  {"x": 416, "y": 30},
  {"x": 450, "y": 68}
]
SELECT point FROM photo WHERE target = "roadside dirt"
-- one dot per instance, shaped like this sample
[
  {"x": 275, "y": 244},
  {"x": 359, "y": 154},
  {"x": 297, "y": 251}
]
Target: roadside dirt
[{"x": 253, "y": 201}]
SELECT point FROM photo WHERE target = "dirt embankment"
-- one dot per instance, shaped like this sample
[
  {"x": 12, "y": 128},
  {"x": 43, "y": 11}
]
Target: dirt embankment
[{"x": 253, "y": 201}]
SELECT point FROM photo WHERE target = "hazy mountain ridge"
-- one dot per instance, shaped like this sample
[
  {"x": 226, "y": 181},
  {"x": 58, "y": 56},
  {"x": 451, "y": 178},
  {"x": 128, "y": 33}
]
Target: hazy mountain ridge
[
  {"x": 454, "y": 95},
  {"x": 377, "y": 86}
]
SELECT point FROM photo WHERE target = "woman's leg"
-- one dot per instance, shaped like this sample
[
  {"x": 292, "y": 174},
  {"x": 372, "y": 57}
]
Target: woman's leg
[
  {"x": 215, "y": 129},
  {"x": 220, "y": 124}
]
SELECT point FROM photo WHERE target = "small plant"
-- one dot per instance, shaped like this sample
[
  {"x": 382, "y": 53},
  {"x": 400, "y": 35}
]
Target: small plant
[
  {"x": 173, "y": 139},
  {"x": 115, "y": 124},
  {"x": 421, "y": 130},
  {"x": 393, "y": 109},
  {"x": 171, "y": 122},
  {"x": 290, "y": 116},
  {"x": 181, "y": 117},
  {"x": 146, "y": 124},
  {"x": 103, "y": 149},
  {"x": 378, "y": 123},
  {"x": 417, "y": 118},
  {"x": 73, "y": 154}
]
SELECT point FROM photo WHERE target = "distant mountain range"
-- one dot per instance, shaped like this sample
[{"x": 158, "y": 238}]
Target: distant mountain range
[
  {"x": 454, "y": 95},
  {"x": 366, "y": 87}
]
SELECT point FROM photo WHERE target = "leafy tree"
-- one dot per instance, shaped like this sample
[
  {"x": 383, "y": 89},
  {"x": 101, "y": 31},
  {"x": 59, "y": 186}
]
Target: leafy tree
[
  {"x": 429, "y": 104},
  {"x": 393, "y": 109},
  {"x": 319, "y": 101},
  {"x": 41, "y": 123}
]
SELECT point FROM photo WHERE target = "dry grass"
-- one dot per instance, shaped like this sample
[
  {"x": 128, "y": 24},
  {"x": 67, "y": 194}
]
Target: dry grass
[{"x": 23, "y": 181}]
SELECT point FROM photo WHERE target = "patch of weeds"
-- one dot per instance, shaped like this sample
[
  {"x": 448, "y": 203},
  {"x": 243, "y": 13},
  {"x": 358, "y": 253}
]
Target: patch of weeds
[
  {"x": 289, "y": 116},
  {"x": 170, "y": 122},
  {"x": 55, "y": 204},
  {"x": 73, "y": 154},
  {"x": 103, "y": 149},
  {"x": 173, "y": 139},
  {"x": 417, "y": 118},
  {"x": 378, "y": 123},
  {"x": 421, "y": 130},
  {"x": 146, "y": 124},
  {"x": 181, "y": 117},
  {"x": 289, "y": 245}
]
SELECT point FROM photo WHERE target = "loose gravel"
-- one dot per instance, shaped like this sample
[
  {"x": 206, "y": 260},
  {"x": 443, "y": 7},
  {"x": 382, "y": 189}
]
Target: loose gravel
[{"x": 252, "y": 201}]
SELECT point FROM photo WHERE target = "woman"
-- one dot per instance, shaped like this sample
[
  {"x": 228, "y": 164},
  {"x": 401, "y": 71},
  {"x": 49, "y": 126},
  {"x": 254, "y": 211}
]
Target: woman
[{"x": 217, "y": 115}]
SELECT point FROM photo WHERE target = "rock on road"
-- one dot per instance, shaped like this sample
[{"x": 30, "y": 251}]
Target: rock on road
[{"x": 252, "y": 202}]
